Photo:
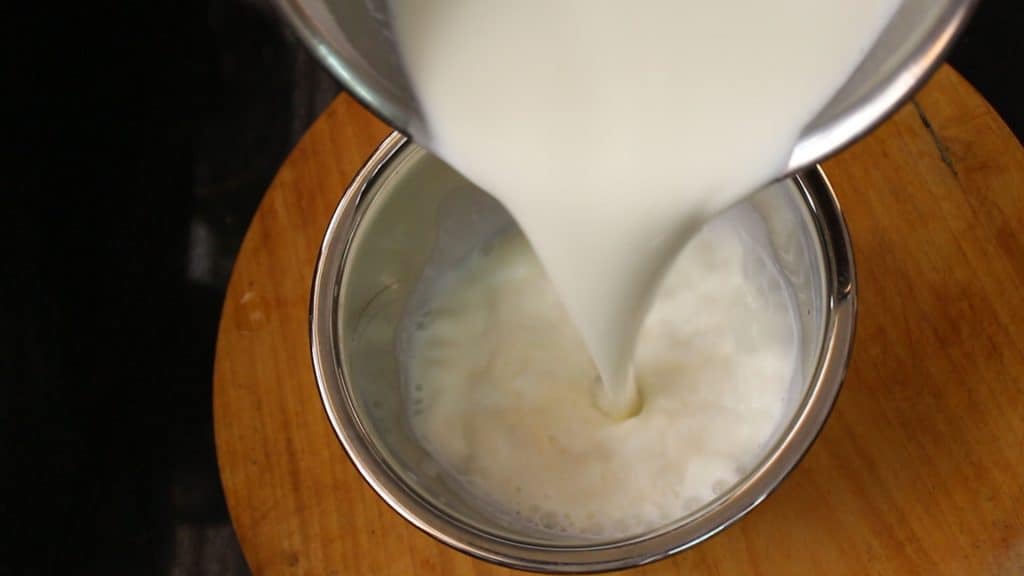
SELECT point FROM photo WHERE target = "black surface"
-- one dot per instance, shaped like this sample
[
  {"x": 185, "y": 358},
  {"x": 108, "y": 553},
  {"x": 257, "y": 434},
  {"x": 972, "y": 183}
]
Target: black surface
[
  {"x": 143, "y": 138},
  {"x": 990, "y": 54}
]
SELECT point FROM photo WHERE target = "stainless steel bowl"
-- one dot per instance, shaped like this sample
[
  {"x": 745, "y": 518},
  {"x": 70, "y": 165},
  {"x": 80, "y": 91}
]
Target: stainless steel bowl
[
  {"x": 353, "y": 39},
  {"x": 408, "y": 216}
]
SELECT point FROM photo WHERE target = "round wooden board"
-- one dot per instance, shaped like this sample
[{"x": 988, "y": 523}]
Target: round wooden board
[{"x": 920, "y": 470}]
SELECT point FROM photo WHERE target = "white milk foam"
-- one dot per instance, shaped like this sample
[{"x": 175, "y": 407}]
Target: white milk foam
[
  {"x": 611, "y": 130},
  {"x": 499, "y": 384}
]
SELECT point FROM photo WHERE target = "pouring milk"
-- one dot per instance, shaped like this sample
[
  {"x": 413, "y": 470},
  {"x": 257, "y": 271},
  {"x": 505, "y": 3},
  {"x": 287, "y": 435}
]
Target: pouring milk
[{"x": 612, "y": 130}]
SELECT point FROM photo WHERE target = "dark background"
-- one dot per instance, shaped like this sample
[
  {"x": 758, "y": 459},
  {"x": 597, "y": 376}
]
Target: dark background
[{"x": 139, "y": 141}]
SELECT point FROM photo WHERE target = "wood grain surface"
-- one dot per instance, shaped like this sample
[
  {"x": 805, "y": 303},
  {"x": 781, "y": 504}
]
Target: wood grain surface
[{"x": 920, "y": 469}]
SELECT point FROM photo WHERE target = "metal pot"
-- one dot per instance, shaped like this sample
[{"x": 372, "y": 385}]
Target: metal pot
[
  {"x": 407, "y": 215},
  {"x": 353, "y": 39}
]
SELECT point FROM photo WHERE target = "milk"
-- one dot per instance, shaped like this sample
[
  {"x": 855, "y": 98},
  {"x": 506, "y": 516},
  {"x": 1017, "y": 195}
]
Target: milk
[
  {"x": 500, "y": 386},
  {"x": 611, "y": 130}
]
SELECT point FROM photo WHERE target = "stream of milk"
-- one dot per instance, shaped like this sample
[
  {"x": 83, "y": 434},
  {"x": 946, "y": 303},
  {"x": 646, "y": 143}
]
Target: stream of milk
[{"x": 611, "y": 130}]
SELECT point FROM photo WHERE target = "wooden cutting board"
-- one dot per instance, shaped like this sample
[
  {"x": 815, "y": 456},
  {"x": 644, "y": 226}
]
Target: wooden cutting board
[{"x": 920, "y": 469}]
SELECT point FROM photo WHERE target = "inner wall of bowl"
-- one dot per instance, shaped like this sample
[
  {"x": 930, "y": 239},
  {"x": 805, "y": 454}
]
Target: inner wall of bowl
[{"x": 420, "y": 219}]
